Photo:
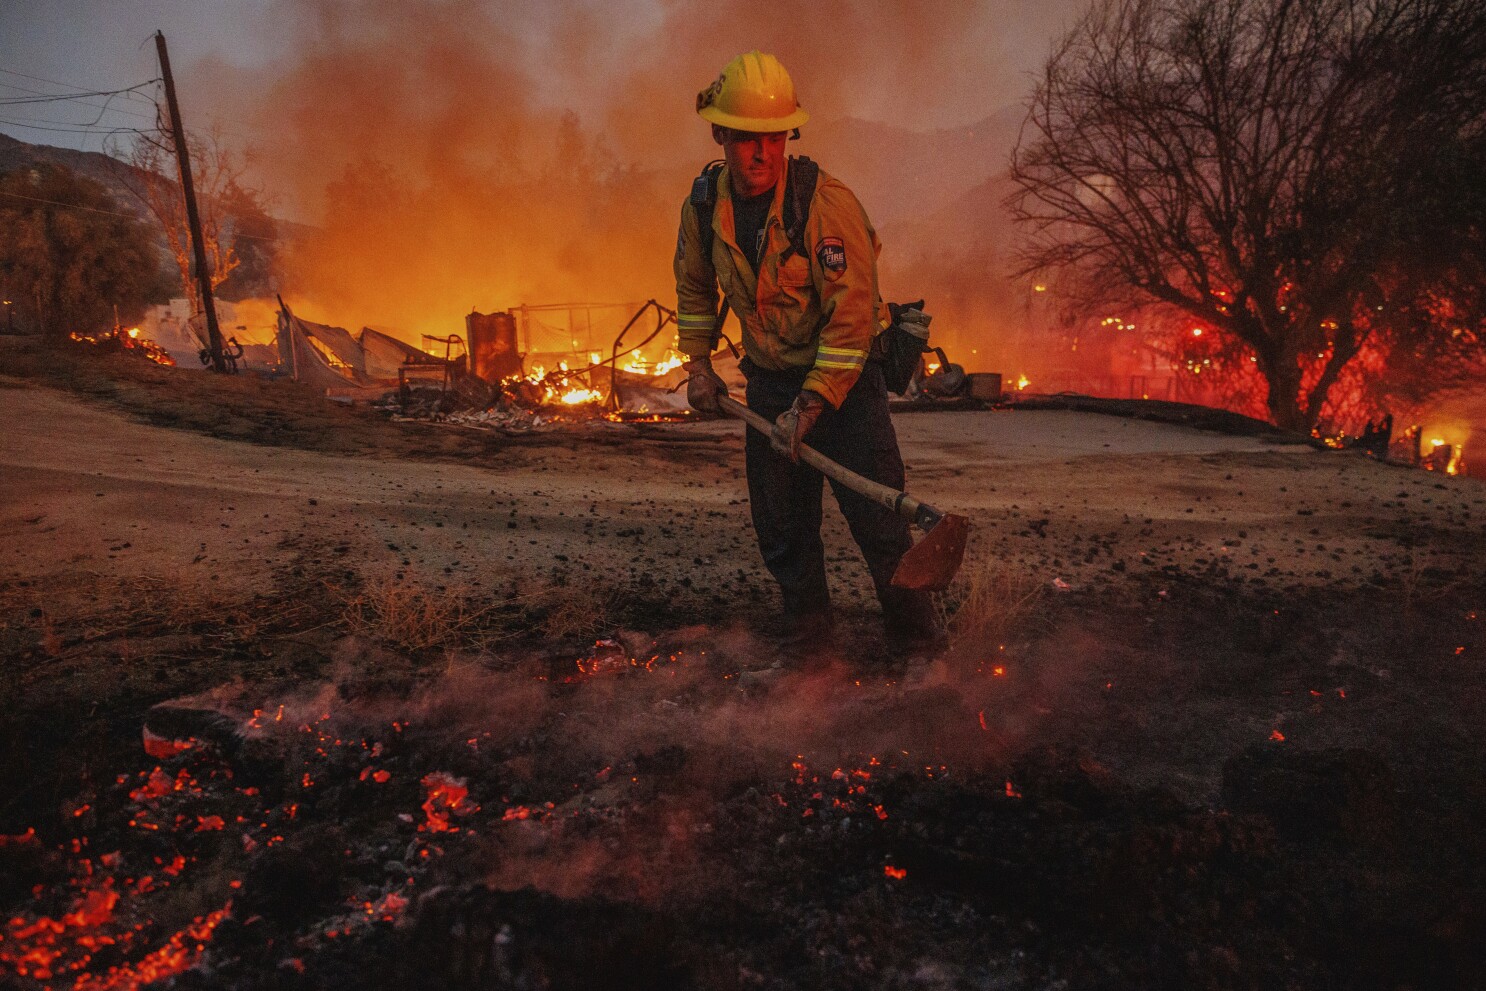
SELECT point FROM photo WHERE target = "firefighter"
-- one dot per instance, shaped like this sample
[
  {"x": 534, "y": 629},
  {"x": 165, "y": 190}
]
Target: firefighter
[{"x": 804, "y": 289}]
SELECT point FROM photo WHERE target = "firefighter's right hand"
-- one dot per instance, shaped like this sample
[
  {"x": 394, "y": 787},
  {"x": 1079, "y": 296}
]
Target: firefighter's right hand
[{"x": 705, "y": 386}]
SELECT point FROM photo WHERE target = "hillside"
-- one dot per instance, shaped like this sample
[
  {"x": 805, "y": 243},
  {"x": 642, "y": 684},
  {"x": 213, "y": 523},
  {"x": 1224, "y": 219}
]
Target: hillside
[
  {"x": 105, "y": 170},
  {"x": 118, "y": 178}
]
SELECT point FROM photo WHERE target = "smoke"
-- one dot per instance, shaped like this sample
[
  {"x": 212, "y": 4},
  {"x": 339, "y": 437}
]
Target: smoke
[
  {"x": 450, "y": 155},
  {"x": 660, "y": 752}
]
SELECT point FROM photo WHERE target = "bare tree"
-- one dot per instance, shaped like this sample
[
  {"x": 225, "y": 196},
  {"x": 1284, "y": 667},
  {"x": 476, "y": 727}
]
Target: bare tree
[
  {"x": 221, "y": 189},
  {"x": 1290, "y": 173}
]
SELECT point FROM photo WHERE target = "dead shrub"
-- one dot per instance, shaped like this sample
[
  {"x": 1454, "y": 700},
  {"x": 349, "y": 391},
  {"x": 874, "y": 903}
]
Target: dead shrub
[
  {"x": 561, "y": 608},
  {"x": 80, "y": 609},
  {"x": 988, "y": 601},
  {"x": 412, "y": 614}
]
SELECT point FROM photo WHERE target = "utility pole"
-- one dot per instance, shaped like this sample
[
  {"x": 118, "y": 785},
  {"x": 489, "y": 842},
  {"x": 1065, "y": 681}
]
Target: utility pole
[{"x": 193, "y": 217}]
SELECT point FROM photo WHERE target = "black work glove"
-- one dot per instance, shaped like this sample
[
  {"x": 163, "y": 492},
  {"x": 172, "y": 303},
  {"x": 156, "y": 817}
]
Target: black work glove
[
  {"x": 794, "y": 423},
  {"x": 704, "y": 386}
]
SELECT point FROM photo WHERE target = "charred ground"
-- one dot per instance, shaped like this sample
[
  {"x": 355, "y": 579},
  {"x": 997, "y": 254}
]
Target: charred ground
[{"x": 1178, "y": 772}]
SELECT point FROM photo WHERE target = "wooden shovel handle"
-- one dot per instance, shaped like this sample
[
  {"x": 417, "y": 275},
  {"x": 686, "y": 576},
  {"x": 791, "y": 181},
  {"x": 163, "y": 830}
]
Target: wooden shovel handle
[{"x": 899, "y": 502}]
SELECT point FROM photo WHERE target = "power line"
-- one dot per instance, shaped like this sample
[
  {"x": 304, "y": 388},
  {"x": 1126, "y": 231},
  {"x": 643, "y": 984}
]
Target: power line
[
  {"x": 104, "y": 109},
  {"x": 79, "y": 129},
  {"x": 33, "y": 118},
  {"x": 244, "y": 130},
  {"x": 104, "y": 131},
  {"x": 70, "y": 206},
  {"x": 42, "y": 79},
  {"x": 82, "y": 97},
  {"x": 111, "y": 109},
  {"x": 59, "y": 97}
]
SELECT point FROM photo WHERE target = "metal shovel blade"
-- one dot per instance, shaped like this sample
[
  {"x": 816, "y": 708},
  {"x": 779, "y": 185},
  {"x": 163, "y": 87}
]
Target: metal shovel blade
[{"x": 931, "y": 564}]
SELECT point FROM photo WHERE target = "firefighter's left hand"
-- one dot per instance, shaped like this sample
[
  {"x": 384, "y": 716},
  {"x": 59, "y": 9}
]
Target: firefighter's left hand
[{"x": 795, "y": 423}]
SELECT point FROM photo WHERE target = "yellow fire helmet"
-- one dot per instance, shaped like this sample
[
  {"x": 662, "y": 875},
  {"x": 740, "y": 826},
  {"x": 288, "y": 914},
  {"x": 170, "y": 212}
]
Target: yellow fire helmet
[{"x": 754, "y": 93}]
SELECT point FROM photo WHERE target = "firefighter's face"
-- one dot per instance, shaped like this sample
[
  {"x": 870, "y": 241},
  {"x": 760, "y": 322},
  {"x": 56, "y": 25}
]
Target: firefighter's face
[{"x": 755, "y": 161}]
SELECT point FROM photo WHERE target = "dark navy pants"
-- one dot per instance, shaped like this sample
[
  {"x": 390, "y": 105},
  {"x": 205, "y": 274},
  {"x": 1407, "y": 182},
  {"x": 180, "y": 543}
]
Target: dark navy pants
[{"x": 786, "y": 497}]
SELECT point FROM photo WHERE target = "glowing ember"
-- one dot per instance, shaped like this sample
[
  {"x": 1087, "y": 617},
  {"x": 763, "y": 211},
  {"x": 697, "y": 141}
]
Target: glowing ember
[
  {"x": 44, "y": 947},
  {"x": 387, "y": 908},
  {"x": 180, "y": 953},
  {"x": 446, "y": 797},
  {"x": 609, "y": 657},
  {"x": 520, "y": 813},
  {"x": 896, "y": 873},
  {"x": 158, "y": 784},
  {"x": 28, "y": 838},
  {"x": 644, "y": 415},
  {"x": 161, "y": 748}
]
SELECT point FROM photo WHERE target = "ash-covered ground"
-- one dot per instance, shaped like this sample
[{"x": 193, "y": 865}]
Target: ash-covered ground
[{"x": 433, "y": 707}]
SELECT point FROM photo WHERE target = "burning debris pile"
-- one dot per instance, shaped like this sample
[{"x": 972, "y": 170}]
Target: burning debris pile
[
  {"x": 121, "y": 339},
  {"x": 638, "y": 391},
  {"x": 482, "y": 379},
  {"x": 545, "y": 400}
]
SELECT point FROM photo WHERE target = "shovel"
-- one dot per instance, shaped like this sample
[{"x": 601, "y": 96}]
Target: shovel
[{"x": 931, "y": 563}]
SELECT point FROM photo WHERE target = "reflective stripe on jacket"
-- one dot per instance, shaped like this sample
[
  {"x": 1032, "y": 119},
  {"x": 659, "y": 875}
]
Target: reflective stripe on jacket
[{"x": 819, "y": 311}]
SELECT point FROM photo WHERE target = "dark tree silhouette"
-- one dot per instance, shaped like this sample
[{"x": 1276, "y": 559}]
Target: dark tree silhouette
[
  {"x": 69, "y": 255},
  {"x": 1301, "y": 177}
]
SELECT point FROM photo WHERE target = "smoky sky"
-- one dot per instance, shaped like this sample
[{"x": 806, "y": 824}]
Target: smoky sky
[
  {"x": 388, "y": 76},
  {"x": 455, "y": 154}
]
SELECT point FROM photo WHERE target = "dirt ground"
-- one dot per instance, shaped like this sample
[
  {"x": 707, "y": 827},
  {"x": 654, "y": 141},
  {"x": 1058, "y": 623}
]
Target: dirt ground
[{"x": 1209, "y": 716}]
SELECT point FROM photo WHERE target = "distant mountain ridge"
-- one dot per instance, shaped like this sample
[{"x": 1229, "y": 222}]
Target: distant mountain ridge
[
  {"x": 900, "y": 174},
  {"x": 107, "y": 171}
]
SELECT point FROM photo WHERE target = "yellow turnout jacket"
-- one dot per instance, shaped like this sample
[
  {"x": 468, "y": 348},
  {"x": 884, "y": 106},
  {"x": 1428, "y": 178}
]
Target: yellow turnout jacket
[{"x": 818, "y": 311}]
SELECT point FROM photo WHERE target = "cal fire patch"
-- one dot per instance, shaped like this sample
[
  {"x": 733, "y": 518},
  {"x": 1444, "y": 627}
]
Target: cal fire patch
[{"x": 831, "y": 253}]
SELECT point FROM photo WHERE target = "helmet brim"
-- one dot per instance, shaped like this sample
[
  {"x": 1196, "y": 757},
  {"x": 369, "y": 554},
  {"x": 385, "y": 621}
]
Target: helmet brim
[{"x": 754, "y": 125}]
